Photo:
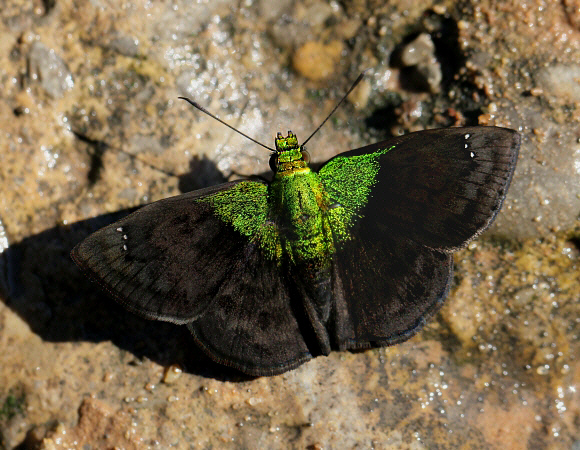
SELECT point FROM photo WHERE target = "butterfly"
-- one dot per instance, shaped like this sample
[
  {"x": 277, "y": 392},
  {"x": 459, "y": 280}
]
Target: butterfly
[{"x": 355, "y": 255}]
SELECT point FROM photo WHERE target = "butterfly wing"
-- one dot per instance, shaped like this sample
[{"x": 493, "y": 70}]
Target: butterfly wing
[
  {"x": 385, "y": 287},
  {"x": 252, "y": 324},
  {"x": 190, "y": 258},
  {"x": 441, "y": 187},
  {"x": 404, "y": 205}
]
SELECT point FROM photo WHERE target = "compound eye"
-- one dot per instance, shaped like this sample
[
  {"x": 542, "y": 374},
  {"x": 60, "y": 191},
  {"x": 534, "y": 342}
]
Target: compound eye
[
  {"x": 274, "y": 162},
  {"x": 305, "y": 156}
]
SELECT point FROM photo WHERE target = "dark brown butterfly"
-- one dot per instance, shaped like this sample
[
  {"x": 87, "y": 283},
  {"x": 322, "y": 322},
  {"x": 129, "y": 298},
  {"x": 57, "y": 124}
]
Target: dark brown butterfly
[{"x": 355, "y": 255}]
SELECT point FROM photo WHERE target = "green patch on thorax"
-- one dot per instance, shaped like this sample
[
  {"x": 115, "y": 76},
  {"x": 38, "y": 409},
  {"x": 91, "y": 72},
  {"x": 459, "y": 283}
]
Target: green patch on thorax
[
  {"x": 298, "y": 203},
  {"x": 302, "y": 215}
]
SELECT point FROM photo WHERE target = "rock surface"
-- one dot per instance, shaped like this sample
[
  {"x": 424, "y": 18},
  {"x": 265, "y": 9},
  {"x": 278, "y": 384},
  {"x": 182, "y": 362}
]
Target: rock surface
[{"x": 91, "y": 126}]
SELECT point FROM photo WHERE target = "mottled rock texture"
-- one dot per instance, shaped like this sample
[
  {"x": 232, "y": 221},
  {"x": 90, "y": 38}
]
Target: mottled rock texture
[{"x": 91, "y": 126}]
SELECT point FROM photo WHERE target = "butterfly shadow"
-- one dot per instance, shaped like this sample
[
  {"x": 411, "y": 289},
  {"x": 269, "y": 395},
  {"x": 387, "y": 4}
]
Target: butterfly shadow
[{"x": 40, "y": 282}]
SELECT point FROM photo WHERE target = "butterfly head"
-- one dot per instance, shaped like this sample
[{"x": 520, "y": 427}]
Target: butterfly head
[{"x": 290, "y": 157}]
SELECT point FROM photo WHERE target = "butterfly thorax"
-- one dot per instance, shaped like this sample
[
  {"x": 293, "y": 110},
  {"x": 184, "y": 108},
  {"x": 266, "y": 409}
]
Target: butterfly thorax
[{"x": 297, "y": 201}]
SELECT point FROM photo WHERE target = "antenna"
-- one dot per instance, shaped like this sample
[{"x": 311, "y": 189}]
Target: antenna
[
  {"x": 356, "y": 82},
  {"x": 202, "y": 109}
]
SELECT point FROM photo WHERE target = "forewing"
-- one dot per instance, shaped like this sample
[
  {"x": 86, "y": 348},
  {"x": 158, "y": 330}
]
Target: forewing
[
  {"x": 167, "y": 260},
  {"x": 438, "y": 187}
]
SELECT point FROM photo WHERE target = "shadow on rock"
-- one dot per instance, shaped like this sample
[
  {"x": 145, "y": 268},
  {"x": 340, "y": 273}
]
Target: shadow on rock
[{"x": 40, "y": 282}]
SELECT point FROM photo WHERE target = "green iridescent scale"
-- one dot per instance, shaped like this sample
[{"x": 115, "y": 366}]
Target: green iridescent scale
[{"x": 302, "y": 215}]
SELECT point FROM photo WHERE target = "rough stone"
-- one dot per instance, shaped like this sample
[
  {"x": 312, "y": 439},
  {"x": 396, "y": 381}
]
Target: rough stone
[{"x": 497, "y": 368}]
